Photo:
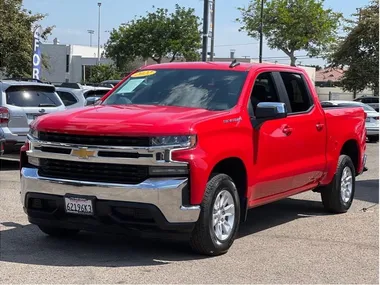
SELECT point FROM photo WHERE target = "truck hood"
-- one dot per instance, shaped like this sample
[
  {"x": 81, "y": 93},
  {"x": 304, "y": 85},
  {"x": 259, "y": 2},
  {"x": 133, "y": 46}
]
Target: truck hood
[{"x": 124, "y": 120}]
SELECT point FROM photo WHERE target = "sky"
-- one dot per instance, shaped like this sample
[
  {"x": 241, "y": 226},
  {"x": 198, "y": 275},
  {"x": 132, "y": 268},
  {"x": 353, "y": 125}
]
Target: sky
[{"x": 73, "y": 18}]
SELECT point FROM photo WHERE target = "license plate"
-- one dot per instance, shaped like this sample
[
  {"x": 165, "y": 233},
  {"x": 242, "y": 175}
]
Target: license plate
[{"x": 79, "y": 205}]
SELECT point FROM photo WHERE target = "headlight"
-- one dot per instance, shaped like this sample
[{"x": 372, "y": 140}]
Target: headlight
[
  {"x": 33, "y": 133},
  {"x": 182, "y": 141}
]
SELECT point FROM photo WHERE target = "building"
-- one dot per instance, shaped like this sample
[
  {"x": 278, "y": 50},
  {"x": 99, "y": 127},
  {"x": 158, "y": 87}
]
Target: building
[{"x": 67, "y": 63}]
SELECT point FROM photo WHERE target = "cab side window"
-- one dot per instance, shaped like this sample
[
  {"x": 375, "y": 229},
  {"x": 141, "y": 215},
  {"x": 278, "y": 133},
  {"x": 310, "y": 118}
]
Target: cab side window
[
  {"x": 264, "y": 90},
  {"x": 299, "y": 97}
]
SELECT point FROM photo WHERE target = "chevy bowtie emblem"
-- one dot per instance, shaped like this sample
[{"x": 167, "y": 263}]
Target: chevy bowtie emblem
[{"x": 83, "y": 152}]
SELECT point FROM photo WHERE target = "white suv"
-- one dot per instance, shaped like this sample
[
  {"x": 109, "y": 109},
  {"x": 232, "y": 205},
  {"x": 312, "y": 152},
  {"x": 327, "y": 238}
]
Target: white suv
[{"x": 20, "y": 103}]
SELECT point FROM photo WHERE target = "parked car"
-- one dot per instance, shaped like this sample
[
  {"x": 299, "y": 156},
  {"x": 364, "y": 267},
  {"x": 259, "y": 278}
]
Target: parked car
[
  {"x": 20, "y": 103},
  {"x": 372, "y": 101},
  {"x": 190, "y": 147},
  {"x": 110, "y": 83},
  {"x": 372, "y": 120},
  {"x": 81, "y": 96}
]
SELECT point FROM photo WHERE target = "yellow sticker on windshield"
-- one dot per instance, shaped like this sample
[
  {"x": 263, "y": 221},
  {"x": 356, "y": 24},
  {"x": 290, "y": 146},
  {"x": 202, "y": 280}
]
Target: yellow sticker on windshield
[{"x": 143, "y": 73}]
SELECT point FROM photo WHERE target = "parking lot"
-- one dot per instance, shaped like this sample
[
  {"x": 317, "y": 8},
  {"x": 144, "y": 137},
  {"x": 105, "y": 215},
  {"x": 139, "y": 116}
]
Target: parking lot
[{"x": 290, "y": 241}]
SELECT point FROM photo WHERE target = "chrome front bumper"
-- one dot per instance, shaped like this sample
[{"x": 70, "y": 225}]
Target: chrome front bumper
[{"x": 164, "y": 193}]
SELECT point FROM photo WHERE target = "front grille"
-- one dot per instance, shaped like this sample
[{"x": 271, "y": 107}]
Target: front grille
[
  {"x": 94, "y": 140},
  {"x": 93, "y": 172}
]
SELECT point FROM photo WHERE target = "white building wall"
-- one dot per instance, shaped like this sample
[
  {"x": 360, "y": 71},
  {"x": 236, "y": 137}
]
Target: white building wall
[{"x": 56, "y": 57}]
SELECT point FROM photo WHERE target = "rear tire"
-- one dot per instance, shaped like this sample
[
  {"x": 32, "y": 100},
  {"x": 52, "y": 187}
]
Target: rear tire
[
  {"x": 216, "y": 229},
  {"x": 58, "y": 232},
  {"x": 337, "y": 197}
]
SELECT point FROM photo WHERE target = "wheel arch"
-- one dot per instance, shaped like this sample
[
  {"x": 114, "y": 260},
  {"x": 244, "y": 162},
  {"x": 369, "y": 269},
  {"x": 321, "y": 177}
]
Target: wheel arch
[
  {"x": 351, "y": 149},
  {"x": 236, "y": 169}
]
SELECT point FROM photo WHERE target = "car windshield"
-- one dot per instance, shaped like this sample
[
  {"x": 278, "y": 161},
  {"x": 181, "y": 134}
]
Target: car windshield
[{"x": 194, "y": 88}]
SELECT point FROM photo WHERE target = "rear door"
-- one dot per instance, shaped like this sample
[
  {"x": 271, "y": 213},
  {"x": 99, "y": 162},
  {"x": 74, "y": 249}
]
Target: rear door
[
  {"x": 307, "y": 130},
  {"x": 25, "y": 103}
]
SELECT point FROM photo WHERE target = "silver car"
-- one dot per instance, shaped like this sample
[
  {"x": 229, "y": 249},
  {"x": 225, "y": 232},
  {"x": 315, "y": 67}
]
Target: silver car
[
  {"x": 20, "y": 103},
  {"x": 76, "y": 95},
  {"x": 372, "y": 120}
]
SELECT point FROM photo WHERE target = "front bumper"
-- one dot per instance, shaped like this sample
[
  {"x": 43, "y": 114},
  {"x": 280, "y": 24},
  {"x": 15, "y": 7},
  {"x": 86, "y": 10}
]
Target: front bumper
[{"x": 162, "y": 197}]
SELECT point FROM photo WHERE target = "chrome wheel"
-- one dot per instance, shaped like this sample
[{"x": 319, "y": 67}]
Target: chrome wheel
[
  {"x": 223, "y": 217},
  {"x": 346, "y": 184}
]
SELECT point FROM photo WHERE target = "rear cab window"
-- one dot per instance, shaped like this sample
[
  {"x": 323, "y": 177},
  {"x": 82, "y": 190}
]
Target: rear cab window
[
  {"x": 32, "y": 96},
  {"x": 209, "y": 89}
]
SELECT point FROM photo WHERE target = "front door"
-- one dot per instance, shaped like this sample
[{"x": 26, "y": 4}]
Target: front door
[{"x": 274, "y": 154}]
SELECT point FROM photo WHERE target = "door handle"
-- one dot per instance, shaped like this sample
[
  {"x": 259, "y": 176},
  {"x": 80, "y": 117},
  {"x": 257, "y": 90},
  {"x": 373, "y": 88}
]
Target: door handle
[
  {"x": 287, "y": 130},
  {"x": 319, "y": 126}
]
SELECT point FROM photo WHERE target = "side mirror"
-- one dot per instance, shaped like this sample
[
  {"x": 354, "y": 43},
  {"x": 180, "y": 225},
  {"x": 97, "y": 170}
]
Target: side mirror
[
  {"x": 92, "y": 101},
  {"x": 266, "y": 111}
]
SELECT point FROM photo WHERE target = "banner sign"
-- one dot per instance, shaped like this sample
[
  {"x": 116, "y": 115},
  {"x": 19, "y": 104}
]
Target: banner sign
[
  {"x": 211, "y": 9},
  {"x": 37, "y": 60}
]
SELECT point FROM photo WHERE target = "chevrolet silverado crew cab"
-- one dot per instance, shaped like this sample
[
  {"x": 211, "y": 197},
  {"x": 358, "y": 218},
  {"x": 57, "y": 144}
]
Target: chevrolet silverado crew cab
[{"x": 190, "y": 148}]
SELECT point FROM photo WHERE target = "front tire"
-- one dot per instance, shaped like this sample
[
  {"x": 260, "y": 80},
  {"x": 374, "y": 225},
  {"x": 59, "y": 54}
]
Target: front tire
[
  {"x": 219, "y": 219},
  {"x": 337, "y": 197},
  {"x": 58, "y": 232}
]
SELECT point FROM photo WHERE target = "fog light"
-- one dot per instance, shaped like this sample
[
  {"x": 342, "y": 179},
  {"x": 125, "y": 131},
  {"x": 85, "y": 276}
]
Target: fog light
[
  {"x": 164, "y": 170},
  {"x": 34, "y": 161}
]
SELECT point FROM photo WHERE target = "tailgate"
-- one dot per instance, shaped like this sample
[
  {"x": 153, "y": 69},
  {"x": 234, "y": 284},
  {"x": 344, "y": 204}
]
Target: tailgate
[{"x": 25, "y": 103}]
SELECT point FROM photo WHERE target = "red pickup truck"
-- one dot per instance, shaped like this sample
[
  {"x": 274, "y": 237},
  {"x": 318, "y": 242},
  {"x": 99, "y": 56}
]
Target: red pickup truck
[{"x": 190, "y": 148}]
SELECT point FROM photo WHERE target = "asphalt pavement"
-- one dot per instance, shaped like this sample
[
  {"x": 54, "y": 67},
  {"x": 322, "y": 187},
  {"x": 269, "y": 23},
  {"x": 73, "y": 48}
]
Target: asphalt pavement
[{"x": 290, "y": 241}]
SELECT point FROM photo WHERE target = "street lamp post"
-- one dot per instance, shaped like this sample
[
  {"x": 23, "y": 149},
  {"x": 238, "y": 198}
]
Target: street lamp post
[
  {"x": 212, "y": 30},
  {"x": 261, "y": 31},
  {"x": 91, "y": 32},
  {"x": 98, "y": 61},
  {"x": 205, "y": 28}
]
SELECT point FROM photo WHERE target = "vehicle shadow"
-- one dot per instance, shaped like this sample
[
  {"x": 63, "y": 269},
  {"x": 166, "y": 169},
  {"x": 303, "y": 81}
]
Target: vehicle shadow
[
  {"x": 7, "y": 165},
  {"x": 27, "y": 245},
  {"x": 367, "y": 190},
  {"x": 279, "y": 213}
]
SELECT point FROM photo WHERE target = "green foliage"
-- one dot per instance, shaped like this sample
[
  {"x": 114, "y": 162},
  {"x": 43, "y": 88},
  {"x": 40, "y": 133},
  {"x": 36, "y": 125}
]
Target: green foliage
[
  {"x": 292, "y": 25},
  {"x": 102, "y": 72},
  {"x": 156, "y": 35},
  {"x": 359, "y": 51},
  {"x": 16, "y": 38}
]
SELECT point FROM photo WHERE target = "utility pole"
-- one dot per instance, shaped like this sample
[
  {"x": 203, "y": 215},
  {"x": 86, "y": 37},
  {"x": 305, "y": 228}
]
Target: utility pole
[
  {"x": 212, "y": 29},
  {"x": 91, "y": 32},
  {"x": 98, "y": 61},
  {"x": 261, "y": 32},
  {"x": 205, "y": 28}
]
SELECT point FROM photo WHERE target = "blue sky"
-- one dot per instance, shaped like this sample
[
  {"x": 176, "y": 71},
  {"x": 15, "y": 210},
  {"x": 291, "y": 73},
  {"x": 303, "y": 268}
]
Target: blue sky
[{"x": 73, "y": 18}]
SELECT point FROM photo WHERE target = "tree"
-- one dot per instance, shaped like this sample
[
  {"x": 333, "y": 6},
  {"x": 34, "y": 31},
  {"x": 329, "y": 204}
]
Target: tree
[
  {"x": 292, "y": 25},
  {"x": 102, "y": 72},
  {"x": 359, "y": 51},
  {"x": 16, "y": 38},
  {"x": 156, "y": 35}
]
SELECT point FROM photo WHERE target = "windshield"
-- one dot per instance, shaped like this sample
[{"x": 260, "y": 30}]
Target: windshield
[{"x": 206, "y": 89}]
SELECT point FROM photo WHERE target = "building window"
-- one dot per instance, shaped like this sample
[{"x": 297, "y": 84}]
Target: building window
[{"x": 67, "y": 62}]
